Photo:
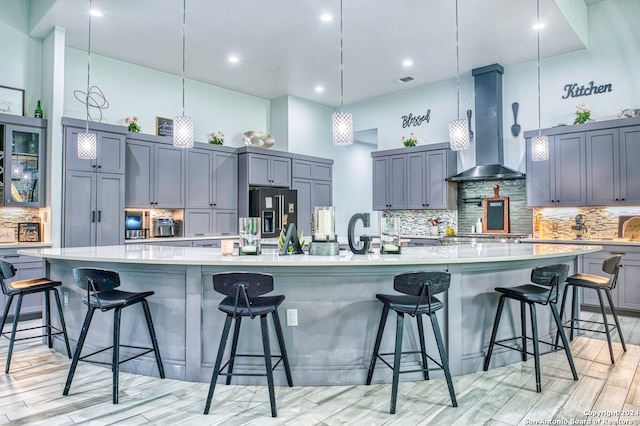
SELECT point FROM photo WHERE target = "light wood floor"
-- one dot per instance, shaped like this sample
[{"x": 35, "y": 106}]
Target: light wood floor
[{"x": 32, "y": 394}]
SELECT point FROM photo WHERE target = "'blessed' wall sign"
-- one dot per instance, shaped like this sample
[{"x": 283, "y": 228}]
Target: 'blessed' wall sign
[{"x": 415, "y": 120}]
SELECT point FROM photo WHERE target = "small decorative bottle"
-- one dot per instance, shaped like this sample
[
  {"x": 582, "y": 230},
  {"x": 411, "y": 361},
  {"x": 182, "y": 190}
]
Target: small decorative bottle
[
  {"x": 38, "y": 113},
  {"x": 479, "y": 226}
]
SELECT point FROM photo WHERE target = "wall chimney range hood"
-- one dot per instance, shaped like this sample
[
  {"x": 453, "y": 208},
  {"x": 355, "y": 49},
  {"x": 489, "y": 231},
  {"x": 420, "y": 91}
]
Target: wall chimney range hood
[{"x": 488, "y": 132}]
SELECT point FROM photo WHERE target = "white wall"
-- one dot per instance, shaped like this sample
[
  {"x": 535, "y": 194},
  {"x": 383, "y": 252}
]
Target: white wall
[{"x": 135, "y": 90}]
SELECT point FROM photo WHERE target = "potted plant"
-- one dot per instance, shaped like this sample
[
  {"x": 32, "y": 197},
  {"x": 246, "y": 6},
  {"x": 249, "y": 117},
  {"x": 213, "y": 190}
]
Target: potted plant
[
  {"x": 583, "y": 114},
  {"x": 216, "y": 138},
  {"x": 133, "y": 124},
  {"x": 410, "y": 141}
]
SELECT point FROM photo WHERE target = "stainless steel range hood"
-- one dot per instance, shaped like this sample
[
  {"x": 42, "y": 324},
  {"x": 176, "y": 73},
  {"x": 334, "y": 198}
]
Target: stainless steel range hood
[{"x": 488, "y": 133}]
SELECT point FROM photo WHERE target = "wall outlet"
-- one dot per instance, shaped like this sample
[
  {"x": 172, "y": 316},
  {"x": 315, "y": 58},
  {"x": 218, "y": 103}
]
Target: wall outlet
[
  {"x": 292, "y": 317},
  {"x": 65, "y": 298}
]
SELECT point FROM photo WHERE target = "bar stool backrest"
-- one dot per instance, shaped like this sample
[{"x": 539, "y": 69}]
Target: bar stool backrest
[
  {"x": 243, "y": 286},
  {"x": 550, "y": 276},
  {"x": 96, "y": 280},
  {"x": 422, "y": 284},
  {"x": 611, "y": 266},
  {"x": 7, "y": 271}
]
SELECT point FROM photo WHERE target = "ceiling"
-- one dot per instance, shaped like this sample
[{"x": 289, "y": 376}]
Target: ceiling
[{"x": 285, "y": 49}]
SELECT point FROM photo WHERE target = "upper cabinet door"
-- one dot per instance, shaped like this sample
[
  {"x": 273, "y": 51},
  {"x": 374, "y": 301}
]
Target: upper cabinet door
[
  {"x": 398, "y": 184},
  {"x": 139, "y": 175},
  {"x": 259, "y": 166},
  {"x": 436, "y": 185},
  {"x": 24, "y": 171},
  {"x": 630, "y": 165},
  {"x": 540, "y": 179},
  {"x": 570, "y": 170},
  {"x": 169, "y": 177},
  {"x": 603, "y": 168},
  {"x": 225, "y": 181},
  {"x": 416, "y": 181},
  {"x": 199, "y": 179},
  {"x": 111, "y": 153},
  {"x": 71, "y": 160},
  {"x": 380, "y": 183},
  {"x": 280, "y": 171}
]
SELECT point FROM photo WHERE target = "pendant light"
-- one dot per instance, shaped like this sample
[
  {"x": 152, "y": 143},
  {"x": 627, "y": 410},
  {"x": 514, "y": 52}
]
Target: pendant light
[
  {"x": 183, "y": 126},
  {"x": 459, "y": 139},
  {"x": 87, "y": 144},
  {"x": 342, "y": 121},
  {"x": 539, "y": 144}
]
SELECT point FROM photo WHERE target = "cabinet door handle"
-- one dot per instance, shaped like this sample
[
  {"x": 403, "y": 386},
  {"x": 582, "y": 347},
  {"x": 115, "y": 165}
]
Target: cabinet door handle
[
  {"x": 99, "y": 167},
  {"x": 7, "y": 256},
  {"x": 99, "y": 215},
  {"x": 93, "y": 166},
  {"x": 618, "y": 253},
  {"x": 621, "y": 199},
  {"x": 93, "y": 216},
  {"x": 199, "y": 235},
  {"x": 617, "y": 199}
]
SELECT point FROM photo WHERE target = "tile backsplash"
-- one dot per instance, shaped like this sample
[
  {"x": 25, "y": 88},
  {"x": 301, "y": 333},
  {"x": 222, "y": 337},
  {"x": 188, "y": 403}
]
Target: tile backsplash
[
  {"x": 601, "y": 222},
  {"x": 11, "y": 216}
]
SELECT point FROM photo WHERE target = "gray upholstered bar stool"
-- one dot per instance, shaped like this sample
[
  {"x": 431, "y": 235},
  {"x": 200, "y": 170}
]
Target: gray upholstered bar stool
[
  {"x": 22, "y": 288},
  {"x": 418, "y": 298},
  {"x": 244, "y": 291},
  {"x": 100, "y": 285},
  {"x": 610, "y": 266},
  {"x": 543, "y": 291}
]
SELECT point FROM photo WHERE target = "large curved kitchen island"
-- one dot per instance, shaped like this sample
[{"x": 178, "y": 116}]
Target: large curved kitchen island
[{"x": 334, "y": 296}]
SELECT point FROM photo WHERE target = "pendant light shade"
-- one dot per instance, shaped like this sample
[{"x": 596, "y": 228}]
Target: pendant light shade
[
  {"x": 540, "y": 148},
  {"x": 342, "y": 128},
  {"x": 87, "y": 146},
  {"x": 183, "y": 126},
  {"x": 342, "y": 122},
  {"x": 459, "y": 135},
  {"x": 87, "y": 143},
  {"x": 459, "y": 139},
  {"x": 539, "y": 144}
]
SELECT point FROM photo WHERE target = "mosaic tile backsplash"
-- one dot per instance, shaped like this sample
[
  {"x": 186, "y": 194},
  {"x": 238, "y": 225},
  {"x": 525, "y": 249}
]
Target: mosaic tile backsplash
[
  {"x": 601, "y": 222},
  {"x": 10, "y": 217},
  {"x": 416, "y": 222}
]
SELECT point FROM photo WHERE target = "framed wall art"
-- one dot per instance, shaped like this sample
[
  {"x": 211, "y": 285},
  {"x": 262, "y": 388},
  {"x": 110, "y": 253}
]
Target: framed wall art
[
  {"x": 29, "y": 232},
  {"x": 11, "y": 100}
]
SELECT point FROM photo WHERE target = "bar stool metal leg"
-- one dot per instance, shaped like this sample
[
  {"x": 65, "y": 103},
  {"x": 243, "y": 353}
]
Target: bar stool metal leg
[
  {"x": 267, "y": 363},
  {"x": 444, "y": 359},
  {"x": 76, "y": 355},
  {"x": 574, "y": 310},
  {"x": 606, "y": 325},
  {"x": 283, "y": 349},
  {"x": 376, "y": 346},
  {"x": 423, "y": 347},
  {"x": 565, "y": 342},
  {"x": 536, "y": 346},
  {"x": 234, "y": 347},
  {"x": 62, "y": 323},
  {"x": 16, "y": 318},
  {"x": 494, "y": 333},
  {"x": 615, "y": 318},
  {"x": 396, "y": 361},
  {"x": 115, "y": 363},
  {"x": 47, "y": 318},
  {"x": 523, "y": 327},
  {"x": 216, "y": 368},
  {"x": 7, "y": 307},
  {"x": 152, "y": 335}
]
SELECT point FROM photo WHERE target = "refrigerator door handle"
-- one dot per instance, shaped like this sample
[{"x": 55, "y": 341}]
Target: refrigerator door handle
[{"x": 280, "y": 199}]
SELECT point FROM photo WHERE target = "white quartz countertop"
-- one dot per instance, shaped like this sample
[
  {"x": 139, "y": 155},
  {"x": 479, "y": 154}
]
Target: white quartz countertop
[
  {"x": 154, "y": 254},
  {"x": 601, "y": 242}
]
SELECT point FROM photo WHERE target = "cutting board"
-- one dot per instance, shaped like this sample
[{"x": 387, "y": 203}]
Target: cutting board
[
  {"x": 621, "y": 221},
  {"x": 631, "y": 229}
]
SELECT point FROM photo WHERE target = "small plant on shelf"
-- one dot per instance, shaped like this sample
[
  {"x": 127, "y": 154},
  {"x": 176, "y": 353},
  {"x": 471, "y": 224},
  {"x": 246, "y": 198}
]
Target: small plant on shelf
[
  {"x": 133, "y": 124},
  {"x": 216, "y": 138},
  {"x": 583, "y": 114},
  {"x": 410, "y": 141}
]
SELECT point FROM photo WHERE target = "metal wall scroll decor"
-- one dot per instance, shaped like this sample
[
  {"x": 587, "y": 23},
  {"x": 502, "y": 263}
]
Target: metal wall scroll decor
[
  {"x": 573, "y": 90},
  {"x": 415, "y": 120}
]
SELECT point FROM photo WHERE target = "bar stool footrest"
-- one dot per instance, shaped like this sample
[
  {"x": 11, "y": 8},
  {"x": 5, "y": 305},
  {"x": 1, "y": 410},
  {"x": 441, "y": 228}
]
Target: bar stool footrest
[
  {"x": 567, "y": 325},
  {"x": 226, "y": 364},
  {"x": 84, "y": 357},
  {"x": 389, "y": 354},
  {"x": 57, "y": 331},
  {"x": 519, "y": 349}
]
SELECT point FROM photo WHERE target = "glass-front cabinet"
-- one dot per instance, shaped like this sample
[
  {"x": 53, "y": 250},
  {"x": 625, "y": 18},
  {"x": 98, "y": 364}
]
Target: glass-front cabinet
[{"x": 22, "y": 166}]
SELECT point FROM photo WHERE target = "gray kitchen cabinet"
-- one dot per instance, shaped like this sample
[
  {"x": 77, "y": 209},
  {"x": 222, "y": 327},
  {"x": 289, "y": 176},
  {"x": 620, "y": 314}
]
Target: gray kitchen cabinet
[
  {"x": 423, "y": 242},
  {"x": 390, "y": 182},
  {"x": 93, "y": 209},
  {"x": 204, "y": 222},
  {"x": 312, "y": 180},
  {"x": 626, "y": 295},
  {"x": 560, "y": 181},
  {"x": 155, "y": 172},
  {"x": 269, "y": 170},
  {"x": 207, "y": 243},
  {"x": 23, "y": 163},
  {"x": 110, "y": 151},
  {"x": 212, "y": 179},
  {"x": 93, "y": 190},
  {"x": 426, "y": 184},
  {"x": 613, "y": 166},
  {"x": 27, "y": 267},
  {"x": 592, "y": 164}
]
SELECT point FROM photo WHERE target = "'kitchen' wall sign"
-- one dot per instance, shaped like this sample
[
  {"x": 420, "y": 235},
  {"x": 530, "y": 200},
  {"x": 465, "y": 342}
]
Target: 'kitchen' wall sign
[
  {"x": 415, "y": 120},
  {"x": 572, "y": 90}
]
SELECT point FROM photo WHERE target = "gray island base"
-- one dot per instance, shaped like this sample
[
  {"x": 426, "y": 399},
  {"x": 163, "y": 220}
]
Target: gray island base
[{"x": 338, "y": 313}]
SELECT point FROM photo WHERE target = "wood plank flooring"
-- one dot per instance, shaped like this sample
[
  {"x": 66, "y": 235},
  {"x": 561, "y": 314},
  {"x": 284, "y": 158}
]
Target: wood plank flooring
[{"x": 32, "y": 394}]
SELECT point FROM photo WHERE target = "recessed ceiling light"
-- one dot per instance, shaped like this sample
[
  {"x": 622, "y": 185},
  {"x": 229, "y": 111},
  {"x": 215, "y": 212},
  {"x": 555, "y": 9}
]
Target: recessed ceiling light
[
  {"x": 538, "y": 26},
  {"x": 326, "y": 17},
  {"x": 95, "y": 12},
  {"x": 319, "y": 89},
  {"x": 233, "y": 59},
  {"x": 407, "y": 63}
]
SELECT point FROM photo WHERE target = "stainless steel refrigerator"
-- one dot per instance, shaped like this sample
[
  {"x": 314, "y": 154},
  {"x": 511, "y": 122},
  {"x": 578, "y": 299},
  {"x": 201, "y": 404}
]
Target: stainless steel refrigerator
[{"x": 276, "y": 208}]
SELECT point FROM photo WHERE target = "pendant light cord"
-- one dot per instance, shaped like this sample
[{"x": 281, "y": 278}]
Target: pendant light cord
[
  {"x": 184, "y": 15},
  {"x": 88, "y": 70},
  {"x": 457, "y": 64},
  {"x": 341, "y": 63},
  {"x": 538, "y": 37}
]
